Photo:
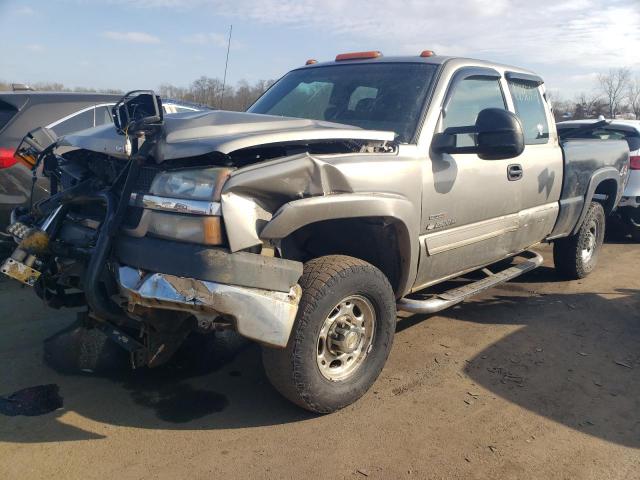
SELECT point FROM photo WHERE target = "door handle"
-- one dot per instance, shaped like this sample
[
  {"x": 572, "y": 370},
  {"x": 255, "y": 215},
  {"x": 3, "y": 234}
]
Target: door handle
[{"x": 514, "y": 172}]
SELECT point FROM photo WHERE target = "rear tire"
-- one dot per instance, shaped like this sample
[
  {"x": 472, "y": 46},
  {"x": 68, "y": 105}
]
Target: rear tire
[
  {"x": 341, "y": 338},
  {"x": 576, "y": 256}
]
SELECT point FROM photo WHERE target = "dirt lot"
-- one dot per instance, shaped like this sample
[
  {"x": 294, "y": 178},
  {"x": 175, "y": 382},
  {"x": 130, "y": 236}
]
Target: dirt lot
[{"x": 535, "y": 379}]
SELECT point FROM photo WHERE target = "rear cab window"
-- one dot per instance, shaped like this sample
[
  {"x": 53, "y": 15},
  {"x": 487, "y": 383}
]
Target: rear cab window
[{"x": 530, "y": 109}]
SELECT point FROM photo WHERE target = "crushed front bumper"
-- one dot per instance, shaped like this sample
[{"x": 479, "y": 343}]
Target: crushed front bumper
[
  {"x": 257, "y": 293},
  {"x": 261, "y": 315}
]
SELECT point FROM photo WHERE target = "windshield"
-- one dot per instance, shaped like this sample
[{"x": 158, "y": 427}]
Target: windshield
[{"x": 380, "y": 96}]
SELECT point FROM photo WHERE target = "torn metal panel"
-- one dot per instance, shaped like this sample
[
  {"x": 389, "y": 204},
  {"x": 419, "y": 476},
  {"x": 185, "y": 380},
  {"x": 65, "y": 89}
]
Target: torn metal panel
[
  {"x": 272, "y": 199},
  {"x": 261, "y": 315},
  {"x": 251, "y": 196},
  {"x": 244, "y": 218}
]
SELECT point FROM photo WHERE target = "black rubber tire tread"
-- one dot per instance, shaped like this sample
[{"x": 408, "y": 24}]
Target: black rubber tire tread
[
  {"x": 567, "y": 252},
  {"x": 296, "y": 375},
  {"x": 635, "y": 233}
]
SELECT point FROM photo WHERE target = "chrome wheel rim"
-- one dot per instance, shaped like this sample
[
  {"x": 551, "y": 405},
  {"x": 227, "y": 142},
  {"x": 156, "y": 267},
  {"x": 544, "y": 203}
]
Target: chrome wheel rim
[
  {"x": 346, "y": 338},
  {"x": 590, "y": 242}
]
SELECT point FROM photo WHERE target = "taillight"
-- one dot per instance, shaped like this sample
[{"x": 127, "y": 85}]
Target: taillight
[
  {"x": 634, "y": 162},
  {"x": 7, "y": 158}
]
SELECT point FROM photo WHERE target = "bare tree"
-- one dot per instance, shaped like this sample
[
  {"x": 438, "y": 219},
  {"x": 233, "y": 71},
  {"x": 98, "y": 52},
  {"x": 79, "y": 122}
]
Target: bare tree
[
  {"x": 588, "y": 105},
  {"x": 208, "y": 91},
  {"x": 244, "y": 95},
  {"x": 614, "y": 85},
  {"x": 633, "y": 96},
  {"x": 561, "y": 108}
]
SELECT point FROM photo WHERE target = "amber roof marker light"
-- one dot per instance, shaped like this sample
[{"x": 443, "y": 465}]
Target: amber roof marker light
[
  {"x": 311, "y": 61},
  {"x": 427, "y": 53},
  {"x": 358, "y": 55}
]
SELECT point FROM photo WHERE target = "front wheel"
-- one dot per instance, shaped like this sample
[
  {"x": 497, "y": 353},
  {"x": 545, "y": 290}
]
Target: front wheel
[
  {"x": 341, "y": 337},
  {"x": 576, "y": 256}
]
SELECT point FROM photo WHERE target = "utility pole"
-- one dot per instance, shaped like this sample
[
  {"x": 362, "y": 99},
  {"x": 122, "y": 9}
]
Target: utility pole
[{"x": 226, "y": 64}]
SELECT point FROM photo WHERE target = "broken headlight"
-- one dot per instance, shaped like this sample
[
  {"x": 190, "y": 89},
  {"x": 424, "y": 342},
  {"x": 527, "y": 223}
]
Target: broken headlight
[
  {"x": 192, "y": 184},
  {"x": 183, "y": 224},
  {"x": 205, "y": 230}
]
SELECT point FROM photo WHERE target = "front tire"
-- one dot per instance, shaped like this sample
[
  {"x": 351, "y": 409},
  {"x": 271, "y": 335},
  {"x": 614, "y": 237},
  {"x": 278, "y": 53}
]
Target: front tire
[
  {"x": 341, "y": 338},
  {"x": 576, "y": 256}
]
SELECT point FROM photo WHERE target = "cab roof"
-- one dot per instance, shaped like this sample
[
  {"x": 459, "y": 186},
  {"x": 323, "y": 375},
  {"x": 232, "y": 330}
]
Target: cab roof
[{"x": 432, "y": 60}]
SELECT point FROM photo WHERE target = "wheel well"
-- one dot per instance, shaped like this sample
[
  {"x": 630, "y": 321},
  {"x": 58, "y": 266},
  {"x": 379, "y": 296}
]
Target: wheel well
[
  {"x": 606, "y": 193},
  {"x": 379, "y": 241}
]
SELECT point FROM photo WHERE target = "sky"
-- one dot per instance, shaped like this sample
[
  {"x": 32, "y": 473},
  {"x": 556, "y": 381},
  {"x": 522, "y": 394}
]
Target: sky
[{"x": 128, "y": 44}]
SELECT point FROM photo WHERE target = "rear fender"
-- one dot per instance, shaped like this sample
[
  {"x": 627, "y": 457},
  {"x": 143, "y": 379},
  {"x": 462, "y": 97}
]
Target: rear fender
[{"x": 600, "y": 176}]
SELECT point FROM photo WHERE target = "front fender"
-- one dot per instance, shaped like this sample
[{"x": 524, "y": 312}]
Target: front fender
[{"x": 299, "y": 213}]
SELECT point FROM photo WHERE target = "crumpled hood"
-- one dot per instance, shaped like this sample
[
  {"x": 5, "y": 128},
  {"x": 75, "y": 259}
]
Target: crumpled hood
[{"x": 199, "y": 133}]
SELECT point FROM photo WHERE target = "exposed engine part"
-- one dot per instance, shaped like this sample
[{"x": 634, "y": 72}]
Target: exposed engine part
[
  {"x": 23, "y": 272},
  {"x": 35, "y": 242}
]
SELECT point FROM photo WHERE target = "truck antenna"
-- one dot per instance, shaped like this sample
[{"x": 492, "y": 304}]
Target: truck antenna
[{"x": 226, "y": 64}]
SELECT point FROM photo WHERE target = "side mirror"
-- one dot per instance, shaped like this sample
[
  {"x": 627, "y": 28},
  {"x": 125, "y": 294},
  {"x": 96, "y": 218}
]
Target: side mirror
[
  {"x": 138, "y": 111},
  {"x": 497, "y": 133}
]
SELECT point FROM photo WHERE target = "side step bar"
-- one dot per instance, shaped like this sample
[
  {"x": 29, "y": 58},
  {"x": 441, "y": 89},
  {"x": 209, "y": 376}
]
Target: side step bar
[{"x": 450, "y": 298}]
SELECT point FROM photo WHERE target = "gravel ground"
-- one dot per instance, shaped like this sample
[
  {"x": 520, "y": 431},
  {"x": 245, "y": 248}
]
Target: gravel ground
[{"x": 538, "y": 378}]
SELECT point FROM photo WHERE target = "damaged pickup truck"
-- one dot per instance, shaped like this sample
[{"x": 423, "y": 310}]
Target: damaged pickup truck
[{"x": 346, "y": 192}]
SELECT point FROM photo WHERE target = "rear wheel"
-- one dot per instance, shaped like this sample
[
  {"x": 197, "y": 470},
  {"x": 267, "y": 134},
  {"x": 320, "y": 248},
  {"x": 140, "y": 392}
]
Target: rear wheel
[
  {"x": 576, "y": 256},
  {"x": 341, "y": 337}
]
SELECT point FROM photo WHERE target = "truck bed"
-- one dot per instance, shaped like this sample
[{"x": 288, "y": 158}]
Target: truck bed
[{"x": 586, "y": 162}]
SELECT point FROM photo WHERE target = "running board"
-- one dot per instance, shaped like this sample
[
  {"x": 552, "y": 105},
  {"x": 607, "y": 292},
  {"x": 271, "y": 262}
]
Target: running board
[{"x": 450, "y": 298}]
